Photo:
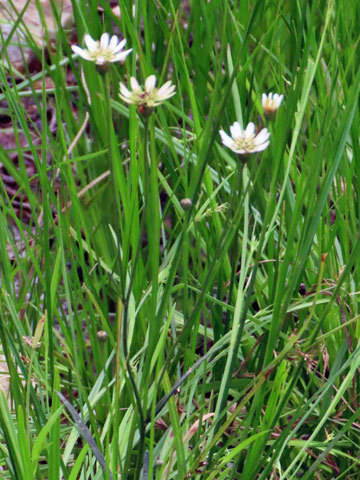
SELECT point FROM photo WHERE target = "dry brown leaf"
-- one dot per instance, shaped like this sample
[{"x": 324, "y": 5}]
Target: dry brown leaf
[
  {"x": 4, "y": 378},
  {"x": 193, "y": 429},
  {"x": 18, "y": 49},
  {"x": 187, "y": 437},
  {"x": 32, "y": 17}
]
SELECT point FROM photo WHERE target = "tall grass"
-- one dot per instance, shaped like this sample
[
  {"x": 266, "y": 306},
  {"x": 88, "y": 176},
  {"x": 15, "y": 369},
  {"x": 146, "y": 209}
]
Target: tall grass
[{"x": 215, "y": 337}]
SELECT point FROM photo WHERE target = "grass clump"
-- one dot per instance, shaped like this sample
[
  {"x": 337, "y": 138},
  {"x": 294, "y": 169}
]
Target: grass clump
[{"x": 175, "y": 302}]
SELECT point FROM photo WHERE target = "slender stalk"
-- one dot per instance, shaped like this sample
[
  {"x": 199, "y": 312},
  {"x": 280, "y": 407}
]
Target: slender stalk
[
  {"x": 109, "y": 118},
  {"x": 142, "y": 424},
  {"x": 139, "y": 404},
  {"x": 233, "y": 256}
]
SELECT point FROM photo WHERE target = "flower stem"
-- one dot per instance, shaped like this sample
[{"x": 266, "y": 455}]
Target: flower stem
[
  {"x": 122, "y": 317},
  {"x": 142, "y": 424},
  {"x": 142, "y": 421},
  {"x": 233, "y": 253}
]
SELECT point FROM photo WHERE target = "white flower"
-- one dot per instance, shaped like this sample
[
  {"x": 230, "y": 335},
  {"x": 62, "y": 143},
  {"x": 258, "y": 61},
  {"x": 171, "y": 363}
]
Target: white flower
[
  {"x": 148, "y": 98},
  {"x": 104, "y": 51},
  {"x": 245, "y": 141},
  {"x": 271, "y": 102}
]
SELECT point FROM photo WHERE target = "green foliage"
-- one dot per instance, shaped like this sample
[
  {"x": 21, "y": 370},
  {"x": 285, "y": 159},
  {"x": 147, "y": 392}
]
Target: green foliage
[{"x": 212, "y": 338}]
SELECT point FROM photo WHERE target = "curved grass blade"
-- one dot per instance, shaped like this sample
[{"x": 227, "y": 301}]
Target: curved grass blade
[{"x": 85, "y": 433}]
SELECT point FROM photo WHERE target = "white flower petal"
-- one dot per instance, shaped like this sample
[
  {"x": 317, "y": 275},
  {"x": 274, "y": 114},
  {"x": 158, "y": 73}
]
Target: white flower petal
[
  {"x": 90, "y": 43},
  {"x": 104, "y": 40},
  {"x": 119, "y": 46},
  {"x": 134, "y": 84},
  {"x": 113, "y": 42},
  {"x": 126, "y": 99},
  {"x": 250, "y": 130},
  {"x": 236, "y": 130},
  {"x": 164, "y": 87},
  {"x": 124, "y": 91},
  {"x": 165, "y": 96},
  {"x": 150, "y": 96},
  {"x": 170, "y": 93},
  {"x": 226, "y": 140},
  {"x": 105, "y": 51},
  {"x": 263, "y": 136},
  {"x": 271, "y": 102},
  {"x": 166, "y": 90},
  {"x": 279, "y": 99},
  {"x": 261, "y": 147},
  {"x": 245, "y": 141},
  {"x": 150, "y": 83},
  {"x": 119, "y": 57},
  {"x": 80, "y": 51}
]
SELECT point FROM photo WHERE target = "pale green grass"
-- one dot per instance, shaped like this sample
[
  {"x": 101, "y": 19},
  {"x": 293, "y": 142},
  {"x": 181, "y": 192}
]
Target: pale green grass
[{"x": 231, "y": 347}]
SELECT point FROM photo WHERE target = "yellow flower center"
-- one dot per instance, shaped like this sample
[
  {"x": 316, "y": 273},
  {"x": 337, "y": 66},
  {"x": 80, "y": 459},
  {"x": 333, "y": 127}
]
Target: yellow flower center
[
  {"x": 105, "y": 53},
  {"x": 246, "y": 143}
]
